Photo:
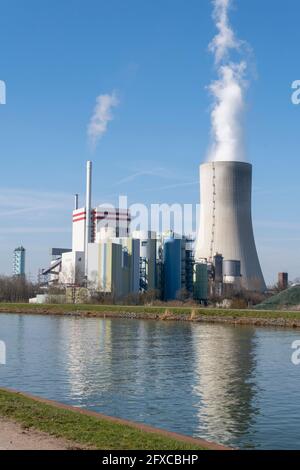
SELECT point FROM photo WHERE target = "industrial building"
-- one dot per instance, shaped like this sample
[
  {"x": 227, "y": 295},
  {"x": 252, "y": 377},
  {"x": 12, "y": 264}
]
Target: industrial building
[
  {"x": 114, "y": 266},
  {"x": 175, "y": 264},
  {"x": 19, "y": 261},
  {"x": 148, "y": 260},
  {"x": 200, "y": 278},
  {"x": 226, "y": 222},
  {"x": 172, "y": 267},
  {"x": 51, "y": 274},
  {"x": 104, "y": 258},
  {"x": 107, "y": 258},
  {"x": 283, "y": 281}
]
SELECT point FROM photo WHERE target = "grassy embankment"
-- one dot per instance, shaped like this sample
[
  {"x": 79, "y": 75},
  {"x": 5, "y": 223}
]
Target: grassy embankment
[
  {"x": 156, "y": 312},
  {"x": 288, "y": 299},
  {"x": 85, "y": 430}
]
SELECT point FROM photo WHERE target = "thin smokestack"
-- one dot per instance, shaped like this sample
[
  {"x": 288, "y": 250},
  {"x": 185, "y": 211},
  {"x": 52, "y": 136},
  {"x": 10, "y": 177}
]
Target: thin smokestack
[
  {"x": 75, "y": 202},
  {"x": 88, "y": 209}
]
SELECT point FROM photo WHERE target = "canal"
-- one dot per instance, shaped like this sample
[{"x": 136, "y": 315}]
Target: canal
[{"x": 233, "y": 385}]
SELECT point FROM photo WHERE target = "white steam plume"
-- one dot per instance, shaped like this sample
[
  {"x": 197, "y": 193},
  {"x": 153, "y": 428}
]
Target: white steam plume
[
  {"x": 102, "y": 115},
  {"x": 228, "y": 91}
]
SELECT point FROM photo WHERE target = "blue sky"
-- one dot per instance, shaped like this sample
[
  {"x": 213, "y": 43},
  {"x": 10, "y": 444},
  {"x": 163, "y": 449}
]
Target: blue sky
[{"x": 58, "y": 56}]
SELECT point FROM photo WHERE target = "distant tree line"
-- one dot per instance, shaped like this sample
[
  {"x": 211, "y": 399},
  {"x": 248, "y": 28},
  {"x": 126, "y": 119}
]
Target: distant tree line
[{"x": 16, "y": 289}]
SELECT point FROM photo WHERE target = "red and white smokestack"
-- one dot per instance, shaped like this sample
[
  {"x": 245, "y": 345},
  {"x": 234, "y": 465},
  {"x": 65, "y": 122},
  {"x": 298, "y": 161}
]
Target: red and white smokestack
[{"x": 88, "y": 208}]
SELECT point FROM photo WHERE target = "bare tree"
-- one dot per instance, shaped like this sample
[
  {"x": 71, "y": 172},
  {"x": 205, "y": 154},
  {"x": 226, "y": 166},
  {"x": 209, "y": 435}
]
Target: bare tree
[{"x": 16, "y": 289}]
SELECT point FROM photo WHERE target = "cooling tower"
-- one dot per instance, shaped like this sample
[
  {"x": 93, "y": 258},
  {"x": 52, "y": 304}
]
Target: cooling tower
[{"x": 226, "y": 220}]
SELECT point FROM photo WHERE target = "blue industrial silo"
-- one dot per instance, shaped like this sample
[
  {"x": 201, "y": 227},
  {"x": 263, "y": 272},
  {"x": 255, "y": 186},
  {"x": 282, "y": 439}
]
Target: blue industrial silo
[{"x": 171, "y": 267}]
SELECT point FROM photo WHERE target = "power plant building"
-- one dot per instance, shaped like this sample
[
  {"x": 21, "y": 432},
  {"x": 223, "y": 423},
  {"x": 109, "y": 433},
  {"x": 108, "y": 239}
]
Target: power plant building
[
  {"x": 226, "y": 220},
  {"x": 72, "y": 268},
  {"x": 107, "y": 258},
  {"x": 103, "y": 257},
  {"x": 148, "y": 259},
  {"x": 201, "y": 282},
  {"x": 232, "y": 271},
  {"x": 172, "y": 253},
  {"x": 114, "y": 266},
  {"x": 106, "y": 222}
]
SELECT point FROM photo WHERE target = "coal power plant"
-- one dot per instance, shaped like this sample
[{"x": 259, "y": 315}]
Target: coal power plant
[{"x": 226, "y": 219}]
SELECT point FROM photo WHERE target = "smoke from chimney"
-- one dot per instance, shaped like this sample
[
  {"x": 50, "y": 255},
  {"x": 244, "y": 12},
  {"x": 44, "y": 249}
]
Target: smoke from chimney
[
  {"x": 228, "y": 90},
  {"x": 102, "y": 115}
]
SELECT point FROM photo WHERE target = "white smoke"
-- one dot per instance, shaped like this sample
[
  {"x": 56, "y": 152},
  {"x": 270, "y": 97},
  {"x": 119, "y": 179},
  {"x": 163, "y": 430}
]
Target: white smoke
[
  {"x": 228, "y": 90},
  {"x": 102, "y": 115}
]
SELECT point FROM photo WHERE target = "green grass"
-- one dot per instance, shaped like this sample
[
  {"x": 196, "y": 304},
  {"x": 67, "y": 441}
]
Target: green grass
[
  {"x": 82, "y": 429},
  {"x": 143, "y": 311}
]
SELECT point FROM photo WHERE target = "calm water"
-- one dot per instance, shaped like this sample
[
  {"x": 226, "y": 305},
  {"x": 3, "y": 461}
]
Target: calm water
[{"x": 234, "y": 385}]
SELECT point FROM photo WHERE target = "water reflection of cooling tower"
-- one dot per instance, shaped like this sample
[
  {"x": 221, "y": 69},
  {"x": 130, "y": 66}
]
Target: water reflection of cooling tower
[
  {"x": 226, "y": 220},
  {"x": 225, "y": 366}
]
